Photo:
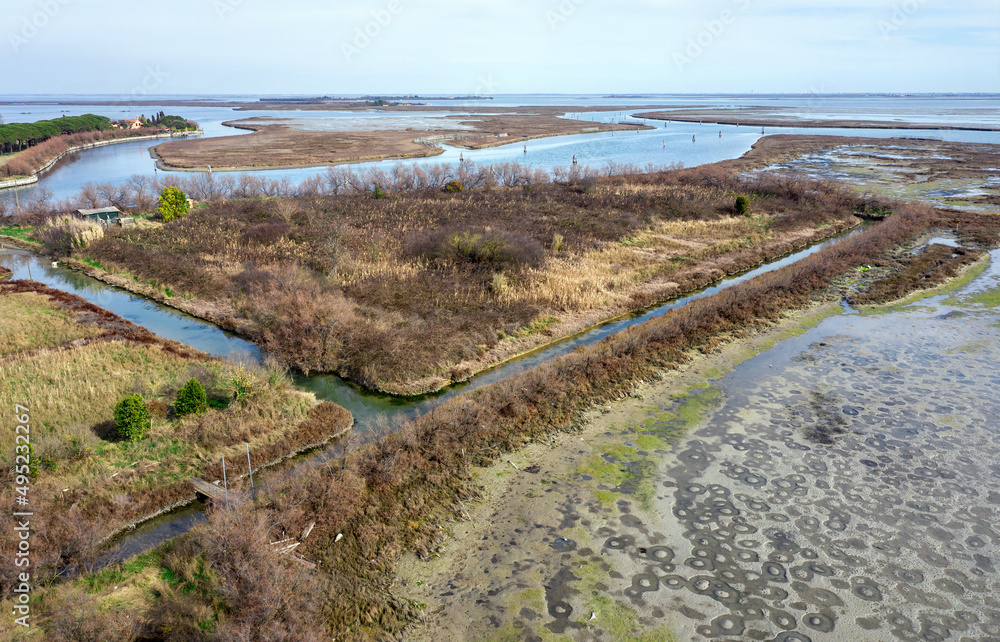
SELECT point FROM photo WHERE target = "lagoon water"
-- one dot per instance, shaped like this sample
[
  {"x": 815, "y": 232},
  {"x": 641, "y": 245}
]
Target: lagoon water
[
  {"x": 667, "y": 144},
  {"x": 661, "y": 146}
]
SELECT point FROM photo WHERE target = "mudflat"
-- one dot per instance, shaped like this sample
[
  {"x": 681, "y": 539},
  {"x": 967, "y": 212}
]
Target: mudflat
[
  {"x": 826, "y": 480},
  {"x": 277, "y": 144}
]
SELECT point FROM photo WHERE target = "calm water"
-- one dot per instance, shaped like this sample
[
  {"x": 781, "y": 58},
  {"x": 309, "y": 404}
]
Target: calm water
[
  {"x": 365, "y": 405},
  {"x": 659, "y": 147}
]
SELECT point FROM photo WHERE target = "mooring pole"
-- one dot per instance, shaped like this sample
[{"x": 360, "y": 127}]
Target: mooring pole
[
  {"x": 250, "y": 468},
  {"x": 225, "y": 483}
]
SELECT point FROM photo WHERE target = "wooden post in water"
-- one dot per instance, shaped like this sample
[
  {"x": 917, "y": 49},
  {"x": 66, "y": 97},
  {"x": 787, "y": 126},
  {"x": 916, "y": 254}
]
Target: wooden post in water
[
  {"x": 250, "y": 469},
  {"x": 574, "y": 159}
]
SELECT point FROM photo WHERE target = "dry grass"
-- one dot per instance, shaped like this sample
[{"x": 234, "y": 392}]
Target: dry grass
[
  {"x": 408, "y": 292},
  {"x": 279, "y": 145},
  {"x": 89, "y": 482},
  {"x": 31, "y": 322},
  {"x": 392, "y": 495},
  {"x": 73, "y": 391}
]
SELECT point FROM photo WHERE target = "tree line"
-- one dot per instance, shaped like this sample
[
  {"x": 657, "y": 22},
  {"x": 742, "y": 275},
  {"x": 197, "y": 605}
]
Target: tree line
[
  {"x": 177, "y": 123},
  {"x": 17, "y": 137}
]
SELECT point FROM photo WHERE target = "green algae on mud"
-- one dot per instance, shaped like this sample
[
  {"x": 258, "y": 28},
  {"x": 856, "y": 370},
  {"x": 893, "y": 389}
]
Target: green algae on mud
[
  {"x": 688, "y": 409},
  {"x": 625, "y": 468},
  {"x": 967, "y": 276}
]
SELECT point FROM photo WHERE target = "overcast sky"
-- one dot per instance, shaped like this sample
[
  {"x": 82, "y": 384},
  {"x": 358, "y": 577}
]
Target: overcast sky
[{"x": 491, "y": 46}]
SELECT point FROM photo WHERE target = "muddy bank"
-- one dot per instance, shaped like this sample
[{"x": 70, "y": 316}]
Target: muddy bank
[
  {"x": 939, "y": 173},
  {"x": 277, "y": 143},
  {"x": 840, "y": 482}
]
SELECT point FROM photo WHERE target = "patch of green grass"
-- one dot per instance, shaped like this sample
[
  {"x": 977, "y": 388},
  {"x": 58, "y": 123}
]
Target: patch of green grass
[
  {"x": 120, "y": 573},
  {"x": 219, "y": 404},
  {"x": 651, "y": 442},
  {"x": 32, "y": 322},
  {"x": 94, "y": 263},
  {"x": 690, "y": 409},
  {"x": 659, "y": 432},
  {"x": 21, "y": 232},
  {"x": 714, "y": 373},
  {"x": 538, "y": 326},
  {"x": 603, "y": 471}
]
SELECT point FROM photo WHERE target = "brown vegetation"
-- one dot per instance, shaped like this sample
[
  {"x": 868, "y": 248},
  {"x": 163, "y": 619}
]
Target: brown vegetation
[
  {"x": 928, "y": 159},
  {"x": 392, "y": 495},
  {"x": 72, "y": 365},
  {"x": 276, "y": 144},
  {"x": 939, "y": 173},
  {"x": 406, "y": 291},
  {"x": 31, "y": 160},
  {"x": 387, "y": 497},
  {"x": 930, "y": 266}
]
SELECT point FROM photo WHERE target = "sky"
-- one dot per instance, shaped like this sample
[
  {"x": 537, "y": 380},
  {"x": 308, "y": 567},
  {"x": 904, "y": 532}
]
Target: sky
[{"x": 451, "y": 47}]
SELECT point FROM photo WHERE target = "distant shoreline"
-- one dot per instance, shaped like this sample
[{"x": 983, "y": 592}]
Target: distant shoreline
[{"x": 733, "y": 118}]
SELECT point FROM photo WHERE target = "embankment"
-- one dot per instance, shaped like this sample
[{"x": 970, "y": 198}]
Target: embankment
[{"x": 33, "y": 178}]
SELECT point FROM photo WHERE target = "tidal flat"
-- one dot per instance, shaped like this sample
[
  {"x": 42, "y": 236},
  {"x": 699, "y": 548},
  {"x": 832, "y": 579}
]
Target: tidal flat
[{"x": 833, "y": 479}]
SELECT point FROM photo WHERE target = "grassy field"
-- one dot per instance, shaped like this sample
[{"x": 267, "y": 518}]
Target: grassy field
[
  {"x": 31, "y": 323},
  {"x": 408, "y": 291},
  {"x": 71, "y": 362}
]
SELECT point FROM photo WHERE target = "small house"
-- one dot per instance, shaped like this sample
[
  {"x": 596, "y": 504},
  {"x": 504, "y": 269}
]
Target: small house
[
  {"x": 129, "y": 123},
  {"x": 103, "y": 216}
]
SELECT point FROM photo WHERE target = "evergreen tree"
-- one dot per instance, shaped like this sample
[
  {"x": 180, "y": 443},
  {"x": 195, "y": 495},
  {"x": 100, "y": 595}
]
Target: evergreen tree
[{"x": 173, "y": 203}]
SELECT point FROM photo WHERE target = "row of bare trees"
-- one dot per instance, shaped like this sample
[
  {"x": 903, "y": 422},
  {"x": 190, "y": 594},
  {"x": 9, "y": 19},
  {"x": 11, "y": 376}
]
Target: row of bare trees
[{"x": 140, "y": 193}]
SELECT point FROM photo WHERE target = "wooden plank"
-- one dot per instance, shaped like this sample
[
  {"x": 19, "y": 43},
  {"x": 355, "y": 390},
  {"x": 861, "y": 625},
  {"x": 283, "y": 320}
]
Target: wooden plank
[{"x": 208, "y": 490}]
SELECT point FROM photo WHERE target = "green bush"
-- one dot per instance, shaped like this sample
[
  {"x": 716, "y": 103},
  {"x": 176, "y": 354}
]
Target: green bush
[
  {"x": 742, "y": 206},
  {"x": 454, "y": 186},
  {"x": 191, "y": 398},
  {"x": 173, "y": 203},
  {"x": 132, "y": 418}
]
